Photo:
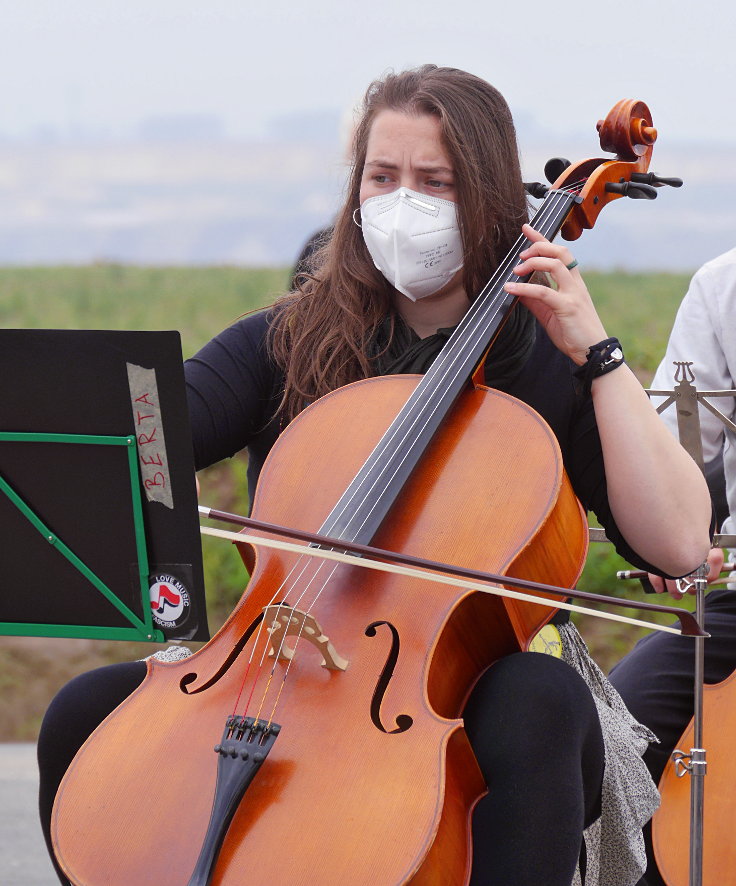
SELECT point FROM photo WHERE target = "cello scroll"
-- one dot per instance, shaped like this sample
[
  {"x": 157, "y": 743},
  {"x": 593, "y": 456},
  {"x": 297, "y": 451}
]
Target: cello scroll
[{"x": 628, "y": 132}]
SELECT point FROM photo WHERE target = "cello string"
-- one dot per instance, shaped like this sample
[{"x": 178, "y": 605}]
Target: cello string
[
  {"x": 306, "y": 563},
  {"x": 553, "y": 212},
  {"x": 441, "y": 368},
  {"x": 297, "y": 638},
  {"x": 259, "y": 632},
  {"x": 548, "y": 216},
  {"x": 553, "y": 215},
  {"x": 281, "y": 606}
]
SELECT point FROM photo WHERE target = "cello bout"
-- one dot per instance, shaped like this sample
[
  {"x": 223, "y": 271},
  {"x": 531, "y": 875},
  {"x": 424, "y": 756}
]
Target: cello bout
[{"x": 671, "y": 822}]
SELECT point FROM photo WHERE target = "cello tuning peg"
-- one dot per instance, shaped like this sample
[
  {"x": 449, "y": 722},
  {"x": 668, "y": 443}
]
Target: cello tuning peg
[
  {"x": 632, "y": 189},
  {"x": 554, "y": 168},
  {"x": 536, "y": 189},
  {"x": 651, "y": 178}
]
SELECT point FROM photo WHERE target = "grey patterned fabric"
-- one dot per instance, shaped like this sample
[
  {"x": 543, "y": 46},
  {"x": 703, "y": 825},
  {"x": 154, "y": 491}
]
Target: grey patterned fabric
[
  {"x": 171, "y": 653},
  {"x": 614, "y": 843}
]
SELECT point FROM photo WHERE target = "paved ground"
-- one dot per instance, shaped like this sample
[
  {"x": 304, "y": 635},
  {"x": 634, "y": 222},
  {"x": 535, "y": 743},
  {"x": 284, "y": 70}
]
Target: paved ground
[{"x": 23, "y": 858}]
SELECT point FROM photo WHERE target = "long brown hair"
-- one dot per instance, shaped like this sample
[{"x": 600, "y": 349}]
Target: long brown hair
[{"x": 321, "y": 331}]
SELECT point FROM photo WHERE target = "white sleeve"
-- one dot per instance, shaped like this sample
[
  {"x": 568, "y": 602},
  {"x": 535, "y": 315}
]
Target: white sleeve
[{"x": 697, "y": 338}]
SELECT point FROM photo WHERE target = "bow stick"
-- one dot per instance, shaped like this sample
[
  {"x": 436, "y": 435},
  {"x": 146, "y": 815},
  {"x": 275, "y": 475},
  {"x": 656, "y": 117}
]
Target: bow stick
[{"x": 417, "y": 567}]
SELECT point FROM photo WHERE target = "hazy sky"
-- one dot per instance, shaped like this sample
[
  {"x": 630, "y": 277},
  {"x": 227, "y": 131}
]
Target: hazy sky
[
  {"x": 103, "y": 67},
  {"x": 107, "y": 64}
]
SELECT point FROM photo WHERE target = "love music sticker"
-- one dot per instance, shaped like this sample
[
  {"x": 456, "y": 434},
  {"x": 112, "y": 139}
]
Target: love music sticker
[{"x": 170, "y": 601}]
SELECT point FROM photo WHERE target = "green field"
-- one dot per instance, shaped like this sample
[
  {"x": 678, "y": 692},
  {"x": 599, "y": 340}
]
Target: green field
[{"x": 199, "y": 302}]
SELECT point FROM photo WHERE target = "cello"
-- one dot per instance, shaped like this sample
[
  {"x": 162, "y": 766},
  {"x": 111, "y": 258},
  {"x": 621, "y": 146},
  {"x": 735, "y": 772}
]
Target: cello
[
  {"x": 362, "y": 727},
  {"x": 672, "y": 821},
  {"x": 687, "y": 807}
]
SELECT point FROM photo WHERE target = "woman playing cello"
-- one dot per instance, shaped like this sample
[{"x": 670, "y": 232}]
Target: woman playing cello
[{"x": 435, "y": 153}]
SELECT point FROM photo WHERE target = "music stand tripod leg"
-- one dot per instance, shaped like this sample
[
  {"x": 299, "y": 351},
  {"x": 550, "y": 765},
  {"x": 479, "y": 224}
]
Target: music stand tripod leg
[{"x": 694, "y": 763}]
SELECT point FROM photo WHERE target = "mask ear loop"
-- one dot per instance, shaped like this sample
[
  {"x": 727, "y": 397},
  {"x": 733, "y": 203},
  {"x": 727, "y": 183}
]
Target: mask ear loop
[{"x": 355, "y": 221}]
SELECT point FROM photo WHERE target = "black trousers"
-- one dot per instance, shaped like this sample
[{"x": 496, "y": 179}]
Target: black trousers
[
  {"x": 533, "y": 726},
  {"x": 656, "y": 681}
]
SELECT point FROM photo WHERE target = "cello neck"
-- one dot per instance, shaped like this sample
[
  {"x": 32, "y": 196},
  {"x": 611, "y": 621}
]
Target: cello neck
[{"x": 366, "y": 501}]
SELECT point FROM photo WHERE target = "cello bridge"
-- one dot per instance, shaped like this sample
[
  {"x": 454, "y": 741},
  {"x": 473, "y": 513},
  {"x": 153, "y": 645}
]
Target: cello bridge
[{"x": 284, "y": 621}]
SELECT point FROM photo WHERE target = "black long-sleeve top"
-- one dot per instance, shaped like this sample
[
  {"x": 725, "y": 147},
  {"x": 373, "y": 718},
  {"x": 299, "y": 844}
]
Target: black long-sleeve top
[{"x": 234, "y": 387}]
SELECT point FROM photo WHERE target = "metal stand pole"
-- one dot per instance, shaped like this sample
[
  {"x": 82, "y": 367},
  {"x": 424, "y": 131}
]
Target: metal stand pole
[{"x": 695, "y": 762}]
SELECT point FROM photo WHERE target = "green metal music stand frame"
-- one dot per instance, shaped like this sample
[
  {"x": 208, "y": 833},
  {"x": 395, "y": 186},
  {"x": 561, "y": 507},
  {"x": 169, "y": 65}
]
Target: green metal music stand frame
[{"x": 140, "y": 629}]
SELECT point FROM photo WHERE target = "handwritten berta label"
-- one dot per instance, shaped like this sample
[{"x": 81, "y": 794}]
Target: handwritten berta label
[{"x": 149, "y": 432}]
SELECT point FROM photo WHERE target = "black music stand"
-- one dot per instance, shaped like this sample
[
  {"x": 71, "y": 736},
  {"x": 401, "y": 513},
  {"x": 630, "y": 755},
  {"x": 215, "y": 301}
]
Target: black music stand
[{"x": 99, "y": 531}]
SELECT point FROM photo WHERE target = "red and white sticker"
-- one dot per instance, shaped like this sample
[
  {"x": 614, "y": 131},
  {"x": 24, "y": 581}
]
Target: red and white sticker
[{"x": 170, "y": 601}]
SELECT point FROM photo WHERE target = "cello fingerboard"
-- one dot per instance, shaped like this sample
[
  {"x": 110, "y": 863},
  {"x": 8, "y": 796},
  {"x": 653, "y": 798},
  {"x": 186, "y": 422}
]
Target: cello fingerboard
[{"x": 362, "y": 508}]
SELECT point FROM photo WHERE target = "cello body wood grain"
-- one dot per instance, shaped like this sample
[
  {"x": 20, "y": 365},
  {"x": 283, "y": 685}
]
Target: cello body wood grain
[
  {"x": 350, "y": 792},
  {"x": 672, "y": 821},
  {"x": 371, "y": 779}
]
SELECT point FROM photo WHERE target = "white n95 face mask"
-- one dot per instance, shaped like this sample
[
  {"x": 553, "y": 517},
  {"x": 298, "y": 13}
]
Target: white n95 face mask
[{"x": 413, "y": 239}]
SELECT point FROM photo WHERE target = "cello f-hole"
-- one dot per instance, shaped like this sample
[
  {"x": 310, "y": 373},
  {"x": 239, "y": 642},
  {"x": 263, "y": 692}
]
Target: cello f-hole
[
  {"x": 403, "y": 721},
  {"x": 185, "y": 684}
]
